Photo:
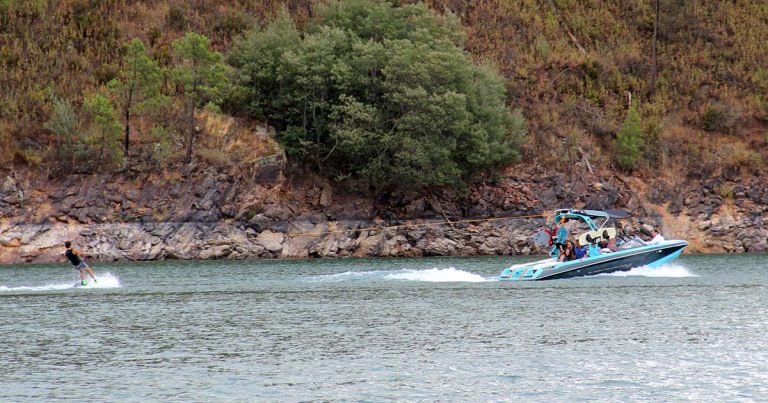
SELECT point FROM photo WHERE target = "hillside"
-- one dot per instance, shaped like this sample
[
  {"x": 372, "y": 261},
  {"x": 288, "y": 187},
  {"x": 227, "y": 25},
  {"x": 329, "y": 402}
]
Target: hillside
[{"x": 571, "y": 67}]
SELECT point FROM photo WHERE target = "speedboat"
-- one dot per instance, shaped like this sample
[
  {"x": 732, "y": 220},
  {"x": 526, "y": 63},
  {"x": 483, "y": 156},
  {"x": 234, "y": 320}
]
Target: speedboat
[{"x": 607, "y": 251}]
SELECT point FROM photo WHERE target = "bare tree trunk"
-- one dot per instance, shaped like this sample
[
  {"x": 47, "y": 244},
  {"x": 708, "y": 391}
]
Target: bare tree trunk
[
  {"x": 566, "y": 28},
  {"x": 191, "y": 134},
  {"x": 101, "y": 150},
  {"x": 652, "y": 84},
  {"x": 128, "y": 119}
]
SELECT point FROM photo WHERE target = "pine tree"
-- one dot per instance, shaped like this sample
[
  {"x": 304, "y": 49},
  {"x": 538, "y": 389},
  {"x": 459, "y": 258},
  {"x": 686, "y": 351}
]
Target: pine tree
[
  {"x": 139, "y": 86},
  {"x": 106, "y": 128},
  {"x": 202, "y": 76},
  {"x": 629, "y": 140}
]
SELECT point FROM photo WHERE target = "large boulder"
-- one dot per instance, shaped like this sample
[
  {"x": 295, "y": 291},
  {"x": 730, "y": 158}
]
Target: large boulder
[
  {"x": 368, "y": 244},
  {"x": 441, "y": 247},
  {"x": 271, "y": 241},
  {"x": 297, "y": 246},
  {"x": 215, "y": 252},
  {"x": 11, "y": 241},
  {"x": 278, "y": 212}
]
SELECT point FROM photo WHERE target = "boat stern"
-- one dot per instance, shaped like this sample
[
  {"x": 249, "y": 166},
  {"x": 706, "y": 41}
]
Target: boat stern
[{"x": 526, "y": 271}]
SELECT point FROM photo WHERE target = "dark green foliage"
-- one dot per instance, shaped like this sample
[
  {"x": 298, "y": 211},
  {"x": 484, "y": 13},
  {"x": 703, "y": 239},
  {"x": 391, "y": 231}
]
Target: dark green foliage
[
  {"x": 380, "y": 92},
  {"x": 201, "y": 75},
  {"x": 718, "y": 117},
  {"x": 103, "y": 137},
  {"x": 138, "y": 88},
  {"x": 629, "y": 141},
  {"x": 711, "y": 118}
]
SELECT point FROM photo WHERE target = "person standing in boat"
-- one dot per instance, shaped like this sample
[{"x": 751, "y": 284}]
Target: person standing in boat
[{"x": 77, "y": 258}]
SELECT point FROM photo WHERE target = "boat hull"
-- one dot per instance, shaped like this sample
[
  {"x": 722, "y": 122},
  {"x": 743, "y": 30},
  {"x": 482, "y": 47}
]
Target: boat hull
[{"x": 622, "y": 260}]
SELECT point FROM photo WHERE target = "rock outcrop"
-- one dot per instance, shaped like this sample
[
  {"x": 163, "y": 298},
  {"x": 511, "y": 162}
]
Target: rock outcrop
[{"x": 207, "y": 214}]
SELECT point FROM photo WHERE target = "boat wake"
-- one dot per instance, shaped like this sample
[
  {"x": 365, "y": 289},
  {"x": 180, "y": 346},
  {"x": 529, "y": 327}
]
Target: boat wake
[
  {"x": 105, "y": 280},
  {"x": 450, "y": 274},
  {"x": 667, "y": 270}
]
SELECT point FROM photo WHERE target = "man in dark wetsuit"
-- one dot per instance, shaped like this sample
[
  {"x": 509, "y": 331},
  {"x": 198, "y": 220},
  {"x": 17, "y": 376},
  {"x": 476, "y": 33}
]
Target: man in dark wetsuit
[{"x": 74, "y": 257}]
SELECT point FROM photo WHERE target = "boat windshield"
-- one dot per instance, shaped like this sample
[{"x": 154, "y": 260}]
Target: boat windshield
[{"x": 631, "y": 242}]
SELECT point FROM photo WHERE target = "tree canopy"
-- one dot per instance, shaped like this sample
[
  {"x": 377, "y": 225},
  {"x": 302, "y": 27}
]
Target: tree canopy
[{"x": 378, "y": 92}]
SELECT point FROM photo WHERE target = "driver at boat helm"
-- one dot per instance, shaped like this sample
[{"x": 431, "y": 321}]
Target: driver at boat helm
[{"x": 647, "y": 229}]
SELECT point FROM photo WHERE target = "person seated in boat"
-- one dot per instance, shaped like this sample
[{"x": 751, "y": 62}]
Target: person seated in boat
[
  {"x": 579, "y": 251},
  {"x": 608, "y": 245},
  {"x": 566, "y": 252},
  {"x": 657, "y": 238}
]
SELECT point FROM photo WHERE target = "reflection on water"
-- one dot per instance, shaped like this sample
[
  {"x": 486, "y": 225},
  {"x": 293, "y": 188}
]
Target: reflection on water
[{"x": 384, "y": 329}]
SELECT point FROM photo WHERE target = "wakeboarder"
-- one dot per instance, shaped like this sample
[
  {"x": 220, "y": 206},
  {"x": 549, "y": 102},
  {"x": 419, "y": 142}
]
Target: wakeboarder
[{"x": 77, "y": 258}]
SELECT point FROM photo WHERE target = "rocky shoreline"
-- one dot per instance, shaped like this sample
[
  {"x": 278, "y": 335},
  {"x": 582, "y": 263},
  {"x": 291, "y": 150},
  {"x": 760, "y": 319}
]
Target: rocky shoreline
[
  {"x": 218, "y": 241},
  {"x": 204, "y": 213}
]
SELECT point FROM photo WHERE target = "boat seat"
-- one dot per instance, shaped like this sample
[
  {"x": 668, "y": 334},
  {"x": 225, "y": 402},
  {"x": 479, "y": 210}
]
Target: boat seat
[
  {"x": 593, "y": 250},
  {"x": 597, "y": 235}
]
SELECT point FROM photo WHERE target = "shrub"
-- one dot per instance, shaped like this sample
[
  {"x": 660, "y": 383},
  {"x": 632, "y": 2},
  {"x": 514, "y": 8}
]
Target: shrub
[
  {"x": 176, "y": 17},
  {"x": 161, "y": 149},
  {"x": 725, "y": 191},
  {"x": 712, "y": 118},
  {"x": 739, "y": 155},
  {"x": 64, "y": 123},
  {"x": 718, "y": 116}
]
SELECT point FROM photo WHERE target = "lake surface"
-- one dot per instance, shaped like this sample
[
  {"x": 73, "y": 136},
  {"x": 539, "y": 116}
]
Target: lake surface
[{"x": 384, "y": 329}]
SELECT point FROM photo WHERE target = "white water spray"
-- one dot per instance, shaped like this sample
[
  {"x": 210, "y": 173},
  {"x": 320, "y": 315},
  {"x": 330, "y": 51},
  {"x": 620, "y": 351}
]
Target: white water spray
[
  {"x": 103, "y": 280},
  {"x": 667, "y": 270},
  {"x": 450, "y": 274}
]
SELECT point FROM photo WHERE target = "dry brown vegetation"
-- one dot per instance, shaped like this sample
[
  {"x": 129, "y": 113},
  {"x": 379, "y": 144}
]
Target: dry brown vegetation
[{"x": 569, "y": 64}]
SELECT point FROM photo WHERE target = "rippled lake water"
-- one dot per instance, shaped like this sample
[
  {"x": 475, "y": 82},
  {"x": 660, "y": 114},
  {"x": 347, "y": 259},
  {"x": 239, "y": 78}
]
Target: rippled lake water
[{"x": 384, "y": 329}]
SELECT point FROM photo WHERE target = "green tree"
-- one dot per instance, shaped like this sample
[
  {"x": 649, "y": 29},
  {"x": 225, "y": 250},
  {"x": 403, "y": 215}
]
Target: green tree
[
  {"x": 138, "y": 88},
  {"x": 201, "y": 75},
  {"x": 629, "y": 140},
  {"x": 105, "y": 130},
  {"x": 262, "y": 93},
  {"x": 380, "y": 92}
]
